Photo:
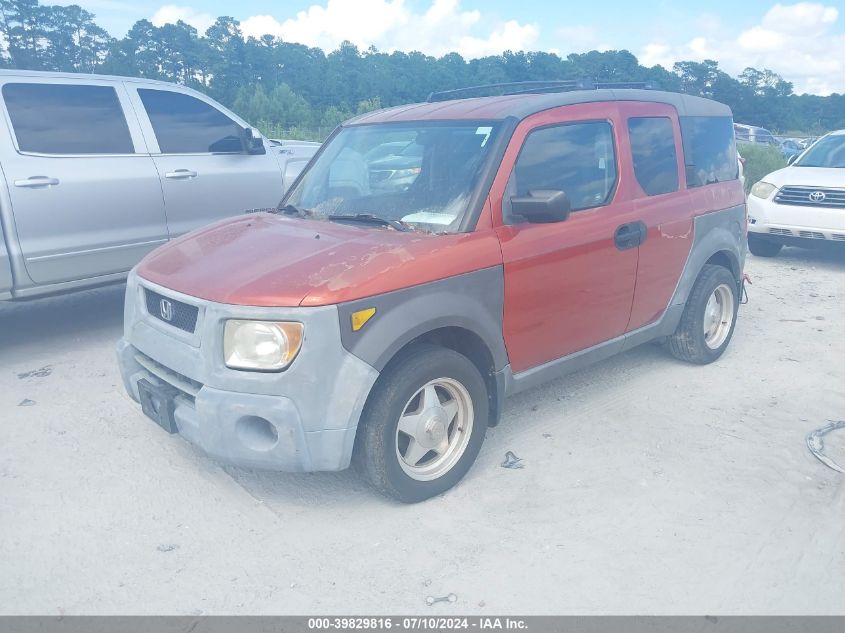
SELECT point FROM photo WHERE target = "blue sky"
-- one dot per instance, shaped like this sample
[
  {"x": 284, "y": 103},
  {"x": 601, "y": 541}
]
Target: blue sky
[{"x": 803, "y": 41}]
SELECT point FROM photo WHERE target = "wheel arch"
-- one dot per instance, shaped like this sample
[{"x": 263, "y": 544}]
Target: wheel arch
[
  {"x": 725, "y": 259},
  {"x": 469, "y": 344},
  {"x": 719, "y": 239},
  {"x": 462, "y": 313}
]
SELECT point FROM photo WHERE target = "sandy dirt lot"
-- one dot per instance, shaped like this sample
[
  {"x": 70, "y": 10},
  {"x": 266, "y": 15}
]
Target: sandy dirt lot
[{"x": 649, "y": 486}]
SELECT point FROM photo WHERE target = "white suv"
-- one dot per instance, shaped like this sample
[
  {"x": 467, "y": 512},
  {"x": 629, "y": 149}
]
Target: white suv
[{"x": 802, "y": 204}]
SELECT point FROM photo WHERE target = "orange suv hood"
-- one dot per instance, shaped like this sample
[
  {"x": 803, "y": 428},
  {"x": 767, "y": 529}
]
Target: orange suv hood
[{"x": 270, "y": 260}]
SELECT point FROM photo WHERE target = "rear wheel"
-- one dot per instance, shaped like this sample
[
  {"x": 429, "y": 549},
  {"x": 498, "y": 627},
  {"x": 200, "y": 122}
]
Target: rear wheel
[
  {"x": 423, "y": 425},
  {"x": 762, "y": 247},
  {"x": 709, "y": 317}
]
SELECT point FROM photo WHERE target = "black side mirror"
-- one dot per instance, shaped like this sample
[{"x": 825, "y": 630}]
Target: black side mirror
[
  {"x": 253, "y": 141},
  {"x": 542, "y": 206}
]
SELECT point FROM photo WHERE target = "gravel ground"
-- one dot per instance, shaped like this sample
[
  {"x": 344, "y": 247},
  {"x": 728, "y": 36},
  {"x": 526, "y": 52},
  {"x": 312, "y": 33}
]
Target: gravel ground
[{"x": 649, "y": 486}]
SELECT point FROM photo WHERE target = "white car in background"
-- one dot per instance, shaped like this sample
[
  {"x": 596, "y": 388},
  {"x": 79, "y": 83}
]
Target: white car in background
[{"x": 802, "y": 204}]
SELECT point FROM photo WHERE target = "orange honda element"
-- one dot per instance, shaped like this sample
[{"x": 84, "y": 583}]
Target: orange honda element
[{"x": 432, "y": 260}]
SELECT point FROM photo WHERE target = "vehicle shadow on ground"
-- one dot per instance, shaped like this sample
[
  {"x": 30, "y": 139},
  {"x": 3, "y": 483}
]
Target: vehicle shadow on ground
[
  {"x": 58, "y": 322},
  {"x": 829, "y": 255},
  {"x": 348, "y": 489}
]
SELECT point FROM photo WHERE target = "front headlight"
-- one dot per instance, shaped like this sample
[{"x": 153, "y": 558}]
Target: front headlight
[
  {"x": 762, "y": 189},
  {"x": 261, "y": 345},
  {"x": 405, "y": 173}
]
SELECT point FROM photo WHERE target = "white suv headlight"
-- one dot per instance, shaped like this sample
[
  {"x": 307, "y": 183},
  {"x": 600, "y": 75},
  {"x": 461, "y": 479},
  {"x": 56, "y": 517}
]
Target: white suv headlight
[
  {"x": 261, "y": 345},
  {"x": 762, "y": 189}
]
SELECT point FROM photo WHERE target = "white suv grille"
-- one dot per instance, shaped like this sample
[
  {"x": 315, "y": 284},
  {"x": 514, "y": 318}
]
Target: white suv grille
[{"x": 811, "y": 197}]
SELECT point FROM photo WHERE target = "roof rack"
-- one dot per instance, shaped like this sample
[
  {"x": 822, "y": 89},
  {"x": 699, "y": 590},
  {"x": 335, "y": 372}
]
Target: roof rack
[{"x": 535, "y": 87}]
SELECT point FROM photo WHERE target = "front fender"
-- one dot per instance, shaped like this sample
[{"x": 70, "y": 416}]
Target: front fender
[{"x": 473, "y": 301}]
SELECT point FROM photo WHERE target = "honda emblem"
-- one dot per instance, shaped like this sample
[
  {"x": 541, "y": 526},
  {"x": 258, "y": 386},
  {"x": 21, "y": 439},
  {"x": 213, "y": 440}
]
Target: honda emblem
[{"x": 166, "y": 309}]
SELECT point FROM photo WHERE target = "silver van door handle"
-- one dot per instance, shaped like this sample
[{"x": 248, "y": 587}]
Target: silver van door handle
[
  {"x": 37, "y": 181},
  {"x": 181, "y": 174}
]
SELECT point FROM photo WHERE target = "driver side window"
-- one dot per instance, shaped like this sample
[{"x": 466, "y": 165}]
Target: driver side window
[{"x": 576, "y": 158}]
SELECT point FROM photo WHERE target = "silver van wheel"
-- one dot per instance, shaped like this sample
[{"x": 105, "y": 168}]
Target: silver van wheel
[
  {"x": 718, "y": 316},
  {"x": 434, "y": 429}
]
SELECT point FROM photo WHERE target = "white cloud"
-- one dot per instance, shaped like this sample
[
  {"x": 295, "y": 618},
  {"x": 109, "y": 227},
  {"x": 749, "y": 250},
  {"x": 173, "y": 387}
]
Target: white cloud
[
  {"x": 796, "y": 41},
  {"x": 579, "y": 39},
  {"x": 391, "y": 25},
  {"x": 171, "y": 13}
]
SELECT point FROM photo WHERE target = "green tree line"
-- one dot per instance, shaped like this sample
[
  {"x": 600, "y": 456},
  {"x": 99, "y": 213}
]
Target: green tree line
[{"x": 282, "y": 85}]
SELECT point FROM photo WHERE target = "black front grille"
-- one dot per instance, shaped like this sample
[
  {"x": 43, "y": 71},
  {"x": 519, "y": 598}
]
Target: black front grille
[
  {"x": 179, "y": 315},
  {"x": 812, "y": 197}
]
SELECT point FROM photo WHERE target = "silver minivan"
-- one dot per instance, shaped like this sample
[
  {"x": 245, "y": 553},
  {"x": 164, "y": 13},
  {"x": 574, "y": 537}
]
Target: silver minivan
[
  {"x": 753, "y": 134},
  {"x": 97, "y": 171}
]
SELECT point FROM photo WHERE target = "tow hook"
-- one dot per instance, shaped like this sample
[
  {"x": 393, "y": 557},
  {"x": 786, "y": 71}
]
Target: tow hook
[{"x": 743, "y": 293}]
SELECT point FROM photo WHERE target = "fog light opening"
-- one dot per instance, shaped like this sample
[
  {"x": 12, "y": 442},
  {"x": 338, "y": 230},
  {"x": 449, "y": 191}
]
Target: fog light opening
[{"x": 256, "y": 433}]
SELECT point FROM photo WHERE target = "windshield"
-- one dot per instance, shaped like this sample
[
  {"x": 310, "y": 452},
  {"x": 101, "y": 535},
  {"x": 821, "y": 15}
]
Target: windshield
[
  {"x": 421, "y": 175},
  {"x": 827, "y": 152}
]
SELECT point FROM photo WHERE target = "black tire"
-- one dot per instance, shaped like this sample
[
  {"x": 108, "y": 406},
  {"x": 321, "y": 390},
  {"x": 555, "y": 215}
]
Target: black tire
[
  {"x": 688, "y": 342},
  {"x": 762, "y": 247},
  {"x": 375, "y": 455}
]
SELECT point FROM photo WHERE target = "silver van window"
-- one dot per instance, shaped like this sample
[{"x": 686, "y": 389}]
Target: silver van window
[
  {"x": 186, "y": 125},
  {"x": 67, "y": 119}
]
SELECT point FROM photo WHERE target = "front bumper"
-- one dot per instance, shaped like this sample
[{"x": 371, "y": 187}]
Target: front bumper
[
  {"x": 301, "y": 419},
  {"x": 779, "y": 221}
]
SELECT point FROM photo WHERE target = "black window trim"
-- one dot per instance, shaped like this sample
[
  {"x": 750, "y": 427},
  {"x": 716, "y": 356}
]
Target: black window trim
[
  {"x": 681, "y": 175},
  {"x": 147, "y": 122},
  {"x": 69, "y": 82},
  {"x": 611, "y": 195}
]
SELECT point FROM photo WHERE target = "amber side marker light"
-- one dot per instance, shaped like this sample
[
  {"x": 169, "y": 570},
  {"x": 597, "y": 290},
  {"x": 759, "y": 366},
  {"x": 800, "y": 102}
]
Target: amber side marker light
[{"x": 360, "y": 318}]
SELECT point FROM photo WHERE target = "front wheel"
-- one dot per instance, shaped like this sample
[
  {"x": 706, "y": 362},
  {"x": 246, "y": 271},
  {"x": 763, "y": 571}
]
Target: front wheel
[
  {"x": 709, "y": 317},
  {"x": 762, "y": 247},
  {"x": 423, "y": 424}
]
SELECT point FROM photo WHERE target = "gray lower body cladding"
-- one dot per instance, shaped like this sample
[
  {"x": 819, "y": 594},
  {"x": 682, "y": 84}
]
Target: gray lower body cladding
[
  {"x": 472, "y": 302},
  {"x": 312, "y": 407}
]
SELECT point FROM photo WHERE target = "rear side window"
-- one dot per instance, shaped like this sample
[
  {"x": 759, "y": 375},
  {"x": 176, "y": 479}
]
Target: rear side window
[
  {"x": 577, "y": 158},
  {"x": 709, "y": 150},
  {"x": 67, "y": 119},
  {"x": 186, "y": 125},
  {"x": 654, "y": 154}
]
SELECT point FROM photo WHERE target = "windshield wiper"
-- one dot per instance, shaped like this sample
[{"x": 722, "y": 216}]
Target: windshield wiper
[
  {"x": 290, "y": 209},
  {"x": 369, "y": 218}
]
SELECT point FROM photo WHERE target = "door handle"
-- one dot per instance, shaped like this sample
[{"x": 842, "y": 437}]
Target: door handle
[
  {"x": 630, "y": 235},
  {"x": 181, "y": 174},
  {"x": 37, "y": 181}
]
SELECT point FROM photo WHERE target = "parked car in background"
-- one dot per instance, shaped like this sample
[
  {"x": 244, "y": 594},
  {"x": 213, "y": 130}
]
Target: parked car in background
[
  {"x": 753, "y": 134},
  {"x": 396, "y": 171},
  {"x": 542, "y": 232},
  {"x": 790, "y": 147},
  {"x": 98, "y": 171},
  {"x": 293, "y": 156},
  {"x": 802, "y": 204},
  {"x": 390, "y": 148}
]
